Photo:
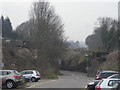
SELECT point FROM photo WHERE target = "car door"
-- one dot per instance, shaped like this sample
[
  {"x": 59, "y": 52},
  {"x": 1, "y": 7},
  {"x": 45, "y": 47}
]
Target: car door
[
  {"x": 24, "y": 74},
  {"x": 27, "y": 74}
]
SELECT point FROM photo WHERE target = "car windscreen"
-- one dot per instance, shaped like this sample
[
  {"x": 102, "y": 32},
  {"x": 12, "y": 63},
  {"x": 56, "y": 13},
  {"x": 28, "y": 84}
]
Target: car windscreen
[{"x": 16, "y": 72}]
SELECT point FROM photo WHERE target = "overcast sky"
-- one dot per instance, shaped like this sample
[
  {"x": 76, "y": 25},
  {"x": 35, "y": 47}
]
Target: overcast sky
[{"x": 78, "y": 16}]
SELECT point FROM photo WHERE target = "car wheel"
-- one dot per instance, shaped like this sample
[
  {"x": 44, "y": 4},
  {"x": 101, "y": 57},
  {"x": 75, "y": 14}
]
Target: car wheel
[
  {"x": 10, "y": 84},
  {"x": 33, "y": 79},
  {"x": 36, "y": 80}
]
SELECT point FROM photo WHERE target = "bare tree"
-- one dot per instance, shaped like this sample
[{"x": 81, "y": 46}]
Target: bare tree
[
  {"x": 105, "y": 35},
  {"x": 45, "y": 32}
]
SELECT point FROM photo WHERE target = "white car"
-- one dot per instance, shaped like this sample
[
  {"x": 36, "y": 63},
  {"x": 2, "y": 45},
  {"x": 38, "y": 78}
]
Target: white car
[
  {"x": 106, "y": 84},
  {"x": 32, "y": 74},
  {"x": 115, "y": 76}
]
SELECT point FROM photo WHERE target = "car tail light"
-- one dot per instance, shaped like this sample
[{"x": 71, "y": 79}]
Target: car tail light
[
  {"x": 37, "y": 75},
  {"x": 98, "y": 87},
  {"x": 16, "y": 76},
  {"x": 98, "y": 78}
]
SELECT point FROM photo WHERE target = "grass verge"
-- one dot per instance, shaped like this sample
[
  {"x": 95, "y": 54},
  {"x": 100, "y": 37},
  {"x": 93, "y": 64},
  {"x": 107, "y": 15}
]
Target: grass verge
[{"x": 51, "y": 75}]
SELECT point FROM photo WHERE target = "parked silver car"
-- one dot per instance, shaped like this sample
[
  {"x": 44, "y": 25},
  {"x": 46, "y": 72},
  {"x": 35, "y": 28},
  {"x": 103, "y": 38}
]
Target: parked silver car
[{"x": 10, "y": 78}]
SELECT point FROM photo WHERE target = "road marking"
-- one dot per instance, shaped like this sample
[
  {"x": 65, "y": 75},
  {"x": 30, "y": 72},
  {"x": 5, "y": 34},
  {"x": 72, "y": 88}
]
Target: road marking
[{"x": 32, "y": 86}]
